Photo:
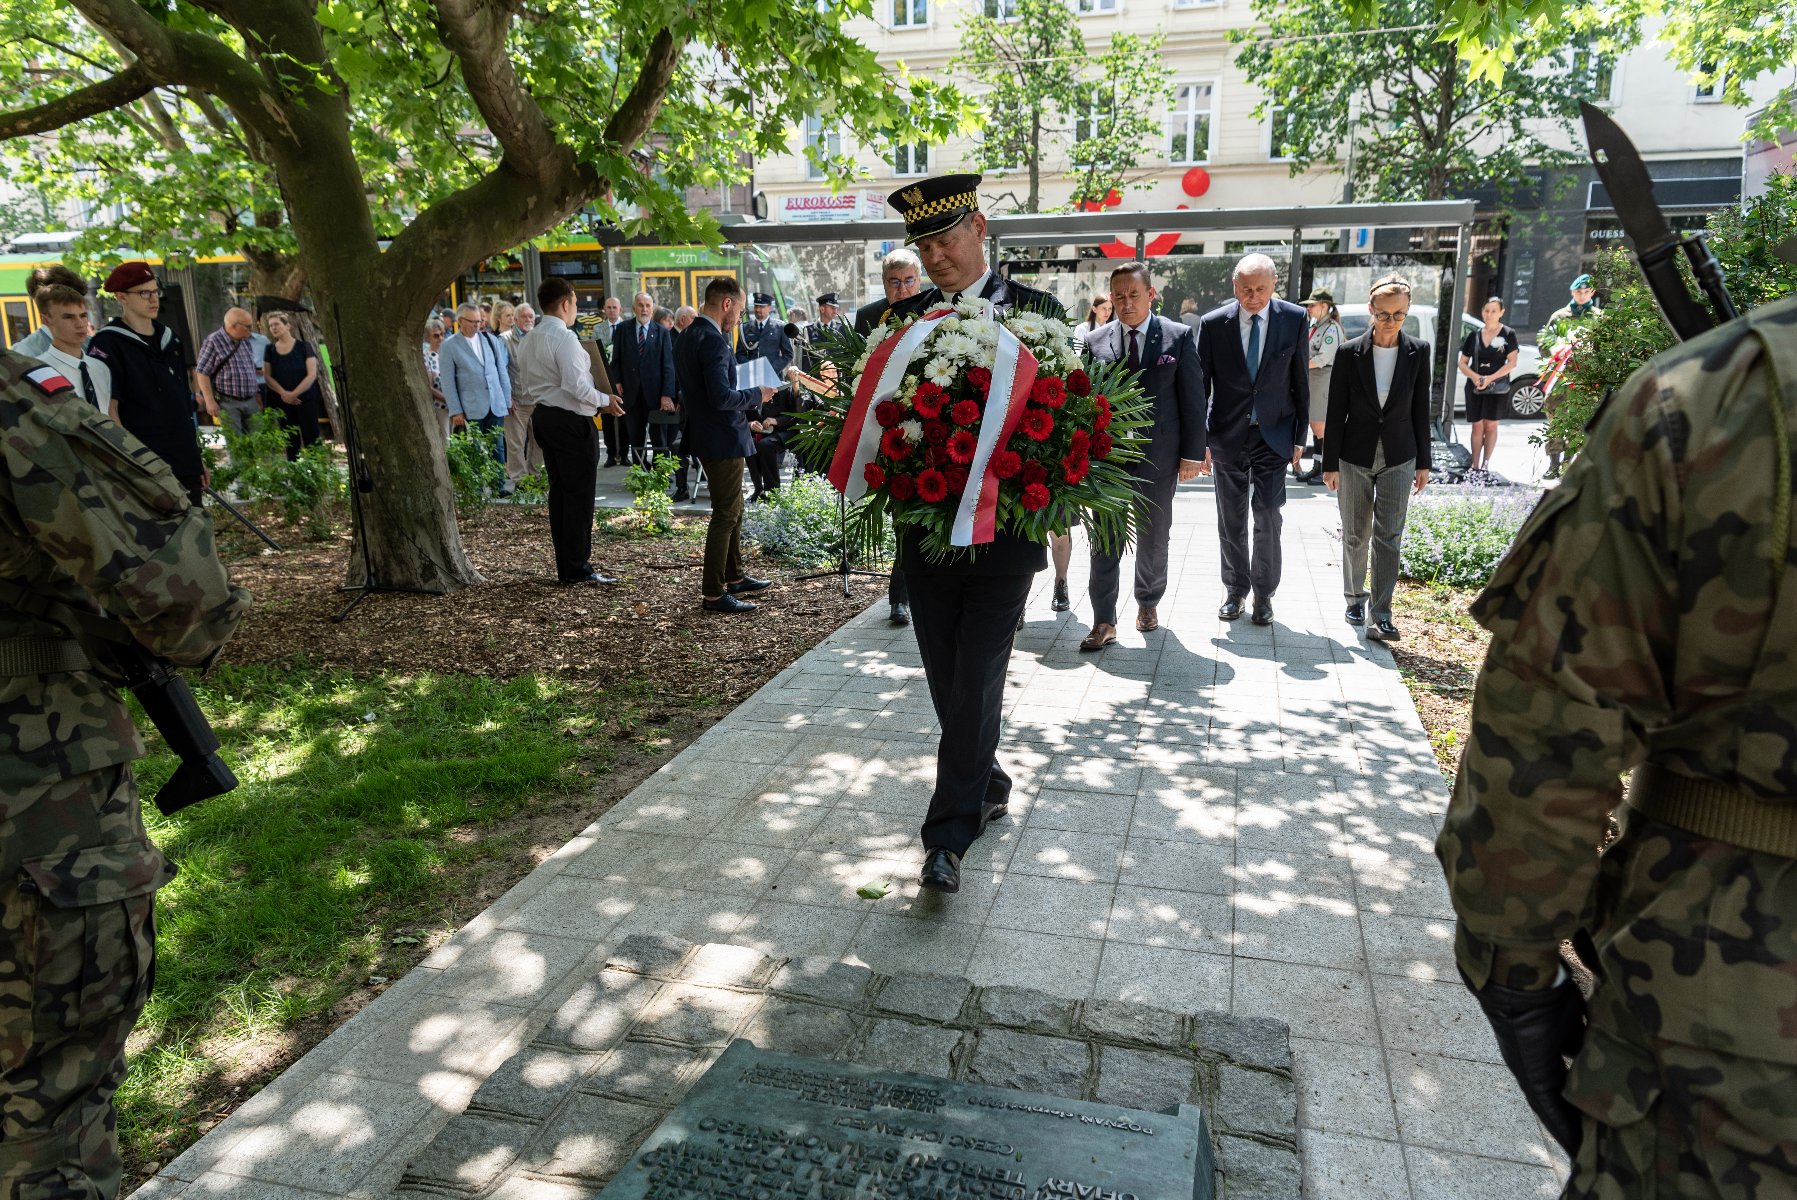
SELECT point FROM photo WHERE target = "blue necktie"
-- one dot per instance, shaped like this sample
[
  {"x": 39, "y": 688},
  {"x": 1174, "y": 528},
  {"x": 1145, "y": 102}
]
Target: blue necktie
[{"x": 1253, "y": 346}]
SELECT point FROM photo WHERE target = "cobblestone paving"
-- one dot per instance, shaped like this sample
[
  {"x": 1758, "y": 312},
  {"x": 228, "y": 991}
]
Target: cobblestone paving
[{"x": 1209, "y": 817}]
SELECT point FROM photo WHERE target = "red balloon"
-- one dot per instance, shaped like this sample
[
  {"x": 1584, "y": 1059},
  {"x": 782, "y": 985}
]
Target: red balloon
[
  {"x": 1112, "y": 198},
  {"x": 1196, "y": 181}
]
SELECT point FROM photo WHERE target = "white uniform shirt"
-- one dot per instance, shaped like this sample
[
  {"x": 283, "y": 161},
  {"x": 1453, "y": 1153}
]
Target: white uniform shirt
[
  {"x": 553, "y": 369},
  {"x": 97, "y": 372}
]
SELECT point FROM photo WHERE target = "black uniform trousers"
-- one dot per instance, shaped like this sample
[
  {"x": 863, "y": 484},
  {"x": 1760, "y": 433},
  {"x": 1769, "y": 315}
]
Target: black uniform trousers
[
  {"x": 570, "y": 445},
  {"x": 965, "y": 625},
  {"x": 1253, "y": 483}
]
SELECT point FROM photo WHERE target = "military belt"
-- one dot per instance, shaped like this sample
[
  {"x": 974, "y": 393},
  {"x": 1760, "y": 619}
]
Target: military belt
[
  {"x": 41, "y": 656},
  {"x": 1715, "y": 811}
]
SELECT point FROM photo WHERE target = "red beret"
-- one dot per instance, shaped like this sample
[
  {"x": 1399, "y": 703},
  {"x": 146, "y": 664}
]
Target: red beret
[{"x": 128, "y": 275}]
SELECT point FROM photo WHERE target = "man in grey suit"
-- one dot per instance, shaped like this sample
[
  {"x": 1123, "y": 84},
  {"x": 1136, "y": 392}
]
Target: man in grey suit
[
  {"x": 1166, "y": 354},
  {"x": 1255, "y": 354},
  {"x": 474, "y": 374}
]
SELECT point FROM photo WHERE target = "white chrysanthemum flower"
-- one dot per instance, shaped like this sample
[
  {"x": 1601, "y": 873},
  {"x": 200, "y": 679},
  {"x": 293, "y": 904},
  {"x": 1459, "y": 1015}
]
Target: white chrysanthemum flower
[
  {"x": 989, "y": 356},
  {"x": 957, "y": 346},
  {"x": 1026, "y": 325},
  {"x": 913, "y": 430},
  {"x": 949, "y": 325},
  {"x": 940, "y": 372},
  {"x": 1056, "y": 327},
  {"x": 861, "y": 363},
  {"x": 985, "y": 333}
]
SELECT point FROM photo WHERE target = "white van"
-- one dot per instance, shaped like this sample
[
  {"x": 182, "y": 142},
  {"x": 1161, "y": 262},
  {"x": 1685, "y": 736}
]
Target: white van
[{"x": 1526, "y": 394}]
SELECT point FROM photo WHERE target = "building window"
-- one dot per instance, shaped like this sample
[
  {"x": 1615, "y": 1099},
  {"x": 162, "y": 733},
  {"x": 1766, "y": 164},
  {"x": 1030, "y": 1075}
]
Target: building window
[
  {"x": 1599, "y": 73},
  {"x": 1089, "y": 7},
  {"x": 1189, "y": 122},
  {"x": 910, "y": 14},
  {"x": 1709, "y": 89},
  {"x": 1196, "y": 3},
  {"x": 1001, "y": 10},
  {"x": 1278, "y": 141},
  {"x": 1092, "y": 119},
  {"x": 911, "y": 158},
  {"x": 826, "y": 141}
]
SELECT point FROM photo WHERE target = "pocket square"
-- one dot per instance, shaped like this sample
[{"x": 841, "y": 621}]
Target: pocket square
[{"x": 1164, "y": 360}]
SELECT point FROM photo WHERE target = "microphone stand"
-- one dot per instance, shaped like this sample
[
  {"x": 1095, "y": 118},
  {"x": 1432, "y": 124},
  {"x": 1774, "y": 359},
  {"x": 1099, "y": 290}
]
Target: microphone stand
[{"x": 845, "y": 566}]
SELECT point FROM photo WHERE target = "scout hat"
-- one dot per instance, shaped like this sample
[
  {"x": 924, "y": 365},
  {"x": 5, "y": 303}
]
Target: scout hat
[
  {"x": 763, "y": 298},
  {"x": 933, "y": 205},
  {"x": 128, "y": 275},
  {"x": 1320, "y": 296}
]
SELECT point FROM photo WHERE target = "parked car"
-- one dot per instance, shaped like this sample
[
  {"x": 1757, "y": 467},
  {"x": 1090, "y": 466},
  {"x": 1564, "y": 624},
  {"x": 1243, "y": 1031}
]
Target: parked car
[{"x": 1526, "y": 393}]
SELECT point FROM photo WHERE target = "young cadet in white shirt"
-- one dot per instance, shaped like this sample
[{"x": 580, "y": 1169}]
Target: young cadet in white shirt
[{"x": 65, "y": 316}]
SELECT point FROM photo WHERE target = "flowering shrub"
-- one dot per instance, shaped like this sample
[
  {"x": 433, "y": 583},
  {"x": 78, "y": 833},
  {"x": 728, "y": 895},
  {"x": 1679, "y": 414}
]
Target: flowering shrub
[
  {"x": 1458, "y": 536},
  {"x": 1060, "y": 456}
]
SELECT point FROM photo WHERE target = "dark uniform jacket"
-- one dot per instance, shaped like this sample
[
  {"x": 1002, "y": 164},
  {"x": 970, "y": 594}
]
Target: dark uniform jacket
[
  {"x": 149, "y": 382},
  {"x": 765, "y": 339},
  {"x": 717, "y": 411}
]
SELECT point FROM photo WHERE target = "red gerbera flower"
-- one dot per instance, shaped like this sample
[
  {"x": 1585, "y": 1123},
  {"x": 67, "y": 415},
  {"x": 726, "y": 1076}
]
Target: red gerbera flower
[
  {"x": 936, "y": 456},
  {"x": 1079, "y": 383},
  {"x": 928, "y": 400},
  {"x": 931, "y": 486},
  {"x": 1006, "y": 463},
  {"x": 962, "y": 445},
  {"x": 1032, "y": 473},
  {"x": 1081, "y": 441},
  {"x": 965, "y": 412},
  {"x": 1074, "y": 467},
  {"x": 874, "y": 474},
  {"x": 957, "y": 479},
  {"x": 902, "y": 487},
  {"x": 980, "y": 378},
  {"x": 935, "y": 432},
  {"x": 888, "y": 414},
  {"x": 1103, "y": 419},
  {"x": 1035, "y": 497},
  {"x": 1049, "y": 391},
  {"x": 894, "y": 444},
  {"x": 1101, "y": 446},
  {"x": 1036, "y": 425}
]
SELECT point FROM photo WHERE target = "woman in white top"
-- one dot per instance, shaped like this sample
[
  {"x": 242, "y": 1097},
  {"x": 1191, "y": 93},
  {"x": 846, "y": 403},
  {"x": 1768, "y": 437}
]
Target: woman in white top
[{"x": 1326, "y": 337}]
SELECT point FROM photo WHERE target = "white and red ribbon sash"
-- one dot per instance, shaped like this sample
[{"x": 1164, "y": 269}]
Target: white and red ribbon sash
[{"x": 1013, "y": 375}]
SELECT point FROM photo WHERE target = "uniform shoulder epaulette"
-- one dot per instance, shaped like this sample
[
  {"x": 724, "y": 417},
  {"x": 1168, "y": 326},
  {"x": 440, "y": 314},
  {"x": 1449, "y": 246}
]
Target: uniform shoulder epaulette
[{"x": 49, "y": 381}]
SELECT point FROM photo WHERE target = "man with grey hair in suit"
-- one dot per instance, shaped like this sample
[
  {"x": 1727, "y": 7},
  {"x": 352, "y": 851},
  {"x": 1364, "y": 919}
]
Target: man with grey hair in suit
[{"x": 1255, "y": 355}]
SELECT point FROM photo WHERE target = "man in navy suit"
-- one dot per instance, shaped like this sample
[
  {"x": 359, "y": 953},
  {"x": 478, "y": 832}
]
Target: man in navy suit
[
  {"x": 1166, "y": 354},
  {"x": 643, "y": 365},
  {"x": 1254, "y": 353},
  {"x": 717, "y": 434}
]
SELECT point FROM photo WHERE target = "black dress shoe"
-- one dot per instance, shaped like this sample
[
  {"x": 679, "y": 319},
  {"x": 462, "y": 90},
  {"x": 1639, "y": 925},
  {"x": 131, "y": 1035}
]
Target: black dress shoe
[
  {"x": 748, "y": 583},
  {"x": 1232, "y": 608},
  {"x": 681, "y": 497},
  {"x": 1383, "y": 631},
  {"x": 592, "y": 580},
  {"x": 941, "y": 871},
  {"x": 1356, "y": 614},
  {"x": 901, "y": 614},
  {"x": 992, "y": 812},
  {"x": 728, "y": 604},
  {"x": 1062, "y": 602},
  {"x": 1263, "y": 612}
]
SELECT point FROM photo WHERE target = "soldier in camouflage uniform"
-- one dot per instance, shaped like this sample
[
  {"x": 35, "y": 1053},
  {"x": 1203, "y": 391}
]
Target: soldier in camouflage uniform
[
  {"x": 88, "y": 515},
  {"x": 1647, "y": 619}
]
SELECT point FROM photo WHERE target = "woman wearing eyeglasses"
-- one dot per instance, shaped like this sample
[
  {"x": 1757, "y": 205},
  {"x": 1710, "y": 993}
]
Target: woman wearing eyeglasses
[
  {"x": 1376, "y": 450},
  {"x": 150, "y": 384}
]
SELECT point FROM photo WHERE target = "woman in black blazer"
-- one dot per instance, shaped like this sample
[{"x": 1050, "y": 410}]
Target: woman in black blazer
[{"x": 1376, "y": 450}]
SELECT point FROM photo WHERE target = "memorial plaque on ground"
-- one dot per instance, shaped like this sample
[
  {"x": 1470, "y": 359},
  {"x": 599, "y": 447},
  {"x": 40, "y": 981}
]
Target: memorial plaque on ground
[{"x": 765, "y": 1126}]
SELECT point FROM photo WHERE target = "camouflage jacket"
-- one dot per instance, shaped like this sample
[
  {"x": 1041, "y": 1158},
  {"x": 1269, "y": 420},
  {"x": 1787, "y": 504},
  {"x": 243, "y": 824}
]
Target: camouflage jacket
[
  {"x": 88, "y": 515},
  {"x": 1644, "y": 615}
]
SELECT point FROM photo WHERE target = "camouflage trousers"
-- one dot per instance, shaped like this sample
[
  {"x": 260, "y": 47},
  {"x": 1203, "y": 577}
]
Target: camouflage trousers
[
  {"x": 1688, "y": 1074},
  {"x": 78, "y": 878}
]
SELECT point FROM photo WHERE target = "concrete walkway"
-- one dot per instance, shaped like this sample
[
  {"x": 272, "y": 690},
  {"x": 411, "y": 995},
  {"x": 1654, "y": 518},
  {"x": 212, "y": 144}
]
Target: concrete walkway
[{"x": 1211, "y": 816}]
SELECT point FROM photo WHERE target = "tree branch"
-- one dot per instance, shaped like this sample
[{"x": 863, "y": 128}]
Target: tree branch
[
  {"x": 634, "y": 117},
  {"x": 121, "y": 89}
]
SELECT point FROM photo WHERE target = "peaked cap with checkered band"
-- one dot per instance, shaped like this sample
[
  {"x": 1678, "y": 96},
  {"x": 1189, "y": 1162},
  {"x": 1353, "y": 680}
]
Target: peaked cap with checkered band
[{"x": 933, "y": 205}]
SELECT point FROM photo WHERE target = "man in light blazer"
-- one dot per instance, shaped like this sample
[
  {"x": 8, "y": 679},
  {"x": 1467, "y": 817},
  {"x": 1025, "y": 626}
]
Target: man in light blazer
[
  {"x": 642, "y": 366},
  {"x": 1376, "y": 449},
  {"x": 1254, "y": 352},
  {"x": 474, "y": 373},
  {"x": 1166, "y": 354}
]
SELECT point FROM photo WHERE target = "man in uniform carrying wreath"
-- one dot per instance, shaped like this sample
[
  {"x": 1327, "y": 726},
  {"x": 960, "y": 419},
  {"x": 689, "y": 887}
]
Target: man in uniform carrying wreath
[{"x": 965, "y": 606}]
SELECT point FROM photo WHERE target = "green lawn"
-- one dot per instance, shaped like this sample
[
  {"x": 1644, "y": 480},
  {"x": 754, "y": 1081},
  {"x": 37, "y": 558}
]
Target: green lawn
[{"x": 365, "y": 804}]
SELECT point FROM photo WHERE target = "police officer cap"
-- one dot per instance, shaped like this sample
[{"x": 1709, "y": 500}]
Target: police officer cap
[
  {"x": 829, "y": 298},
  {"x": 128, "y": 275},
  {"x": 764, "y": 298},
  {"x": 933, "y": 205}
]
